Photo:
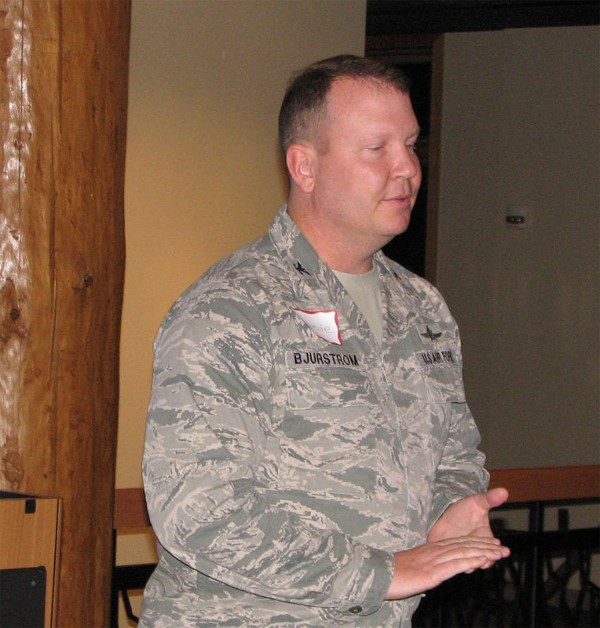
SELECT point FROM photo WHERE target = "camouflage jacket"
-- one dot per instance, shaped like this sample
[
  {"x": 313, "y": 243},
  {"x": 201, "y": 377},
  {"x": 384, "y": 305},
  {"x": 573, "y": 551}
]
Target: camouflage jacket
[{"x": 287, "y": 454}]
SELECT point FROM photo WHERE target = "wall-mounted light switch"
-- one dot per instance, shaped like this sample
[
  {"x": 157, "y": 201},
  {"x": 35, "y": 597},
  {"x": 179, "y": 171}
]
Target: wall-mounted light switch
[{"x": 518, "y": 216}]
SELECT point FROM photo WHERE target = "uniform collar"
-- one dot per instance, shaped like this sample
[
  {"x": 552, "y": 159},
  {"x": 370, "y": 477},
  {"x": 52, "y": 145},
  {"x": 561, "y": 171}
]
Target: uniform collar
[
  {"x": 300, "y": 256},
  {"x": 315, "y": 286}
]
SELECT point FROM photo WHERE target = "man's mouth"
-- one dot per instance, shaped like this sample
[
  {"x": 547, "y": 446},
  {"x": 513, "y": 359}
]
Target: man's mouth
[{"x": 399, "y": 198}]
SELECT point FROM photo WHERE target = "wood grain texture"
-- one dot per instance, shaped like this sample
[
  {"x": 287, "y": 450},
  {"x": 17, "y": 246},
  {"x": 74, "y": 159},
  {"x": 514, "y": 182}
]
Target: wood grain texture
[
  {"x": 130, "y": 509},
  {"x": 547, "y": 484},
  {"x": 63, "y": 99},
  {"x": 524, "y": 485}
]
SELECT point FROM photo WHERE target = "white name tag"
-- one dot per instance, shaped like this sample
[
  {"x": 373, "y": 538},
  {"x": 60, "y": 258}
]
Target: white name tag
[{"x": 323, "y": 323}]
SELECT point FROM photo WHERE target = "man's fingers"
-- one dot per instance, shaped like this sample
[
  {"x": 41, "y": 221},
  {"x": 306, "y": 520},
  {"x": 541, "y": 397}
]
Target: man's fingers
[
  {"x": 465, "y": 557},
  {"x": 473, "y": 540},
  {"x": 441, "y": 572},
  {"x": 470, "y": 548},
  {"x": 424, "y": 567}
]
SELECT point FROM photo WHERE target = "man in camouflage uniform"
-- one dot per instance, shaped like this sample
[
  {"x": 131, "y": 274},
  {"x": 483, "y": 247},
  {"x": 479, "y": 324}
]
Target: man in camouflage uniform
[{"x": 310, "y": 459}]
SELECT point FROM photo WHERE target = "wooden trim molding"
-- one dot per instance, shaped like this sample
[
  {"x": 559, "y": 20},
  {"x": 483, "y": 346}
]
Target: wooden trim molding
[
  {"x": 549, "y": 483},
  {"x": 130, "y": 509},
  {"x": 524, "y": 485}
]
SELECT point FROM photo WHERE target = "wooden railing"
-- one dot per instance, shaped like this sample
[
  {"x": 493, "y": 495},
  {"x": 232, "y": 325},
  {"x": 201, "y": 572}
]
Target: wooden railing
[
  {"x": 544, "y": 484},
  {"x": 130, "y": 509},
  {"x": 539, "y": 484}
]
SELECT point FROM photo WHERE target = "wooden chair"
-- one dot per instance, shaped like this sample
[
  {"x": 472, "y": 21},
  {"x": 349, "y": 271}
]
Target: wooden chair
[{"x": 130, "y": 513}]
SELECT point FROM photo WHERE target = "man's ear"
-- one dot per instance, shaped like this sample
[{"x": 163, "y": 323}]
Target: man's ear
[{"x": 300, "y": 160}]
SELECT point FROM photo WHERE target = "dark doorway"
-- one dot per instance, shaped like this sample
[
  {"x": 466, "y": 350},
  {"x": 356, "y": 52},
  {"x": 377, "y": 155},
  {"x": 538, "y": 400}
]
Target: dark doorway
[{"x": 410, "y": 248}]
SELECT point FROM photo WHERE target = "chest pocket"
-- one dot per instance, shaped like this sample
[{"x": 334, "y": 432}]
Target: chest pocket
[
  {"x": 441, "y": 373},
  {"x": 433, "y": 383},
  {"x": 323, "y": 380},
  {"x": 330, "y": 399}
]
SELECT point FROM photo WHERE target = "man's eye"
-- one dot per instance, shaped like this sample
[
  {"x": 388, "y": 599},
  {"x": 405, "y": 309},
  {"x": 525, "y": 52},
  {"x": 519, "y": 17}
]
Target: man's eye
[
  {"x": 375, "y": 148},
  {"x": 412, "y": 148}
]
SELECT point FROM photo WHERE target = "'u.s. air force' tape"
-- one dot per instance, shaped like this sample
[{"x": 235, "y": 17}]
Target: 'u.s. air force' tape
[
  {"x": 439, "y": 357},
  {"x": 301, "y": 359}
]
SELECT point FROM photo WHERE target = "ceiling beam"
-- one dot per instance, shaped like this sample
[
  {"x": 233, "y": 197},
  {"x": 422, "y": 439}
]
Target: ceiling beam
[{"x": 394, "y": 17}]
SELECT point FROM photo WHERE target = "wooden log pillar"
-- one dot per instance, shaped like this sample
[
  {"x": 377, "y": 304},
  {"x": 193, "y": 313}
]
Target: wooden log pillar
[{"x": 63, "y": 101}]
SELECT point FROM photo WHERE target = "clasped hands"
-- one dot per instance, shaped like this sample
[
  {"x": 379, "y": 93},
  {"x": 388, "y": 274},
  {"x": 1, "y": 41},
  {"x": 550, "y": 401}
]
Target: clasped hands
[{"x": 460, "y": 541}]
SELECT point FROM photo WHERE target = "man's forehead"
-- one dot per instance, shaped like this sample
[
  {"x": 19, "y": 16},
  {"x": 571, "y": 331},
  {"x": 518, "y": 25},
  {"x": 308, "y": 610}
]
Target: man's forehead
[
  {"x": 349, "y": 96},
  {"x": 359, "y": 97}
]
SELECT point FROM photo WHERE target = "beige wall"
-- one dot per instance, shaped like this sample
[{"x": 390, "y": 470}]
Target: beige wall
[
  {"x": 203, "y": 176},
  {"x": 520, "y": 126}
]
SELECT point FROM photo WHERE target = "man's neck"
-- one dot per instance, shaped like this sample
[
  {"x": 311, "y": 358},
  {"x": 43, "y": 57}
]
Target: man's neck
[{"x": 330, "y": 249}]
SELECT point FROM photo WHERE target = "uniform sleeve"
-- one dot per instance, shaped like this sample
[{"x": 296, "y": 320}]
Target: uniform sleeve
[
  {"x": 460, "y": 472},
  {"x": 209, "y": 457}
]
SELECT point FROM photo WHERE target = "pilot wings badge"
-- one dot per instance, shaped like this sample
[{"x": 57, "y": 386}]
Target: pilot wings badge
[{"x": 430, "y": 334}]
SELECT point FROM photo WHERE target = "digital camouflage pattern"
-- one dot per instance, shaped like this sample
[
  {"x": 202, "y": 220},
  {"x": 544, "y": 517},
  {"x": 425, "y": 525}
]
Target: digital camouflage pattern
[{"x": 282, "y": 470}]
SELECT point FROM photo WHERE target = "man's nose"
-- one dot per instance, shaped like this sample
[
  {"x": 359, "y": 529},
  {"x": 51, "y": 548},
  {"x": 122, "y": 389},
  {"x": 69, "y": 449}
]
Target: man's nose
[{"x": 406, "y": 163}]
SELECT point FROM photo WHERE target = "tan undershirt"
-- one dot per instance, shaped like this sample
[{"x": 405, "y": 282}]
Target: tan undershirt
[{"x": 366, "y": 293}]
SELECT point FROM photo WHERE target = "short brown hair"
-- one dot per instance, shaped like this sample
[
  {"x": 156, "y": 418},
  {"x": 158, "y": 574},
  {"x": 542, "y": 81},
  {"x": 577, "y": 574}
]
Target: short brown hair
[{"x": 304, "y": 100}]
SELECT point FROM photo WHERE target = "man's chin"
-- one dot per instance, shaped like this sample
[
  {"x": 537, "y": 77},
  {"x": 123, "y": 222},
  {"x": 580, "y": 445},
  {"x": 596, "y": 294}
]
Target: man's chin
[{"x": 398, "y": 228}]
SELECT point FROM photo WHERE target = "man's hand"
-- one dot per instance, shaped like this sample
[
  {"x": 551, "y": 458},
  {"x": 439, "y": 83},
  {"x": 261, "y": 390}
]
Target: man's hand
[
  {"x": 426, "y": 566},
  {"x": 469, "y": 516},
  {"x": 460, "y": 541}
]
